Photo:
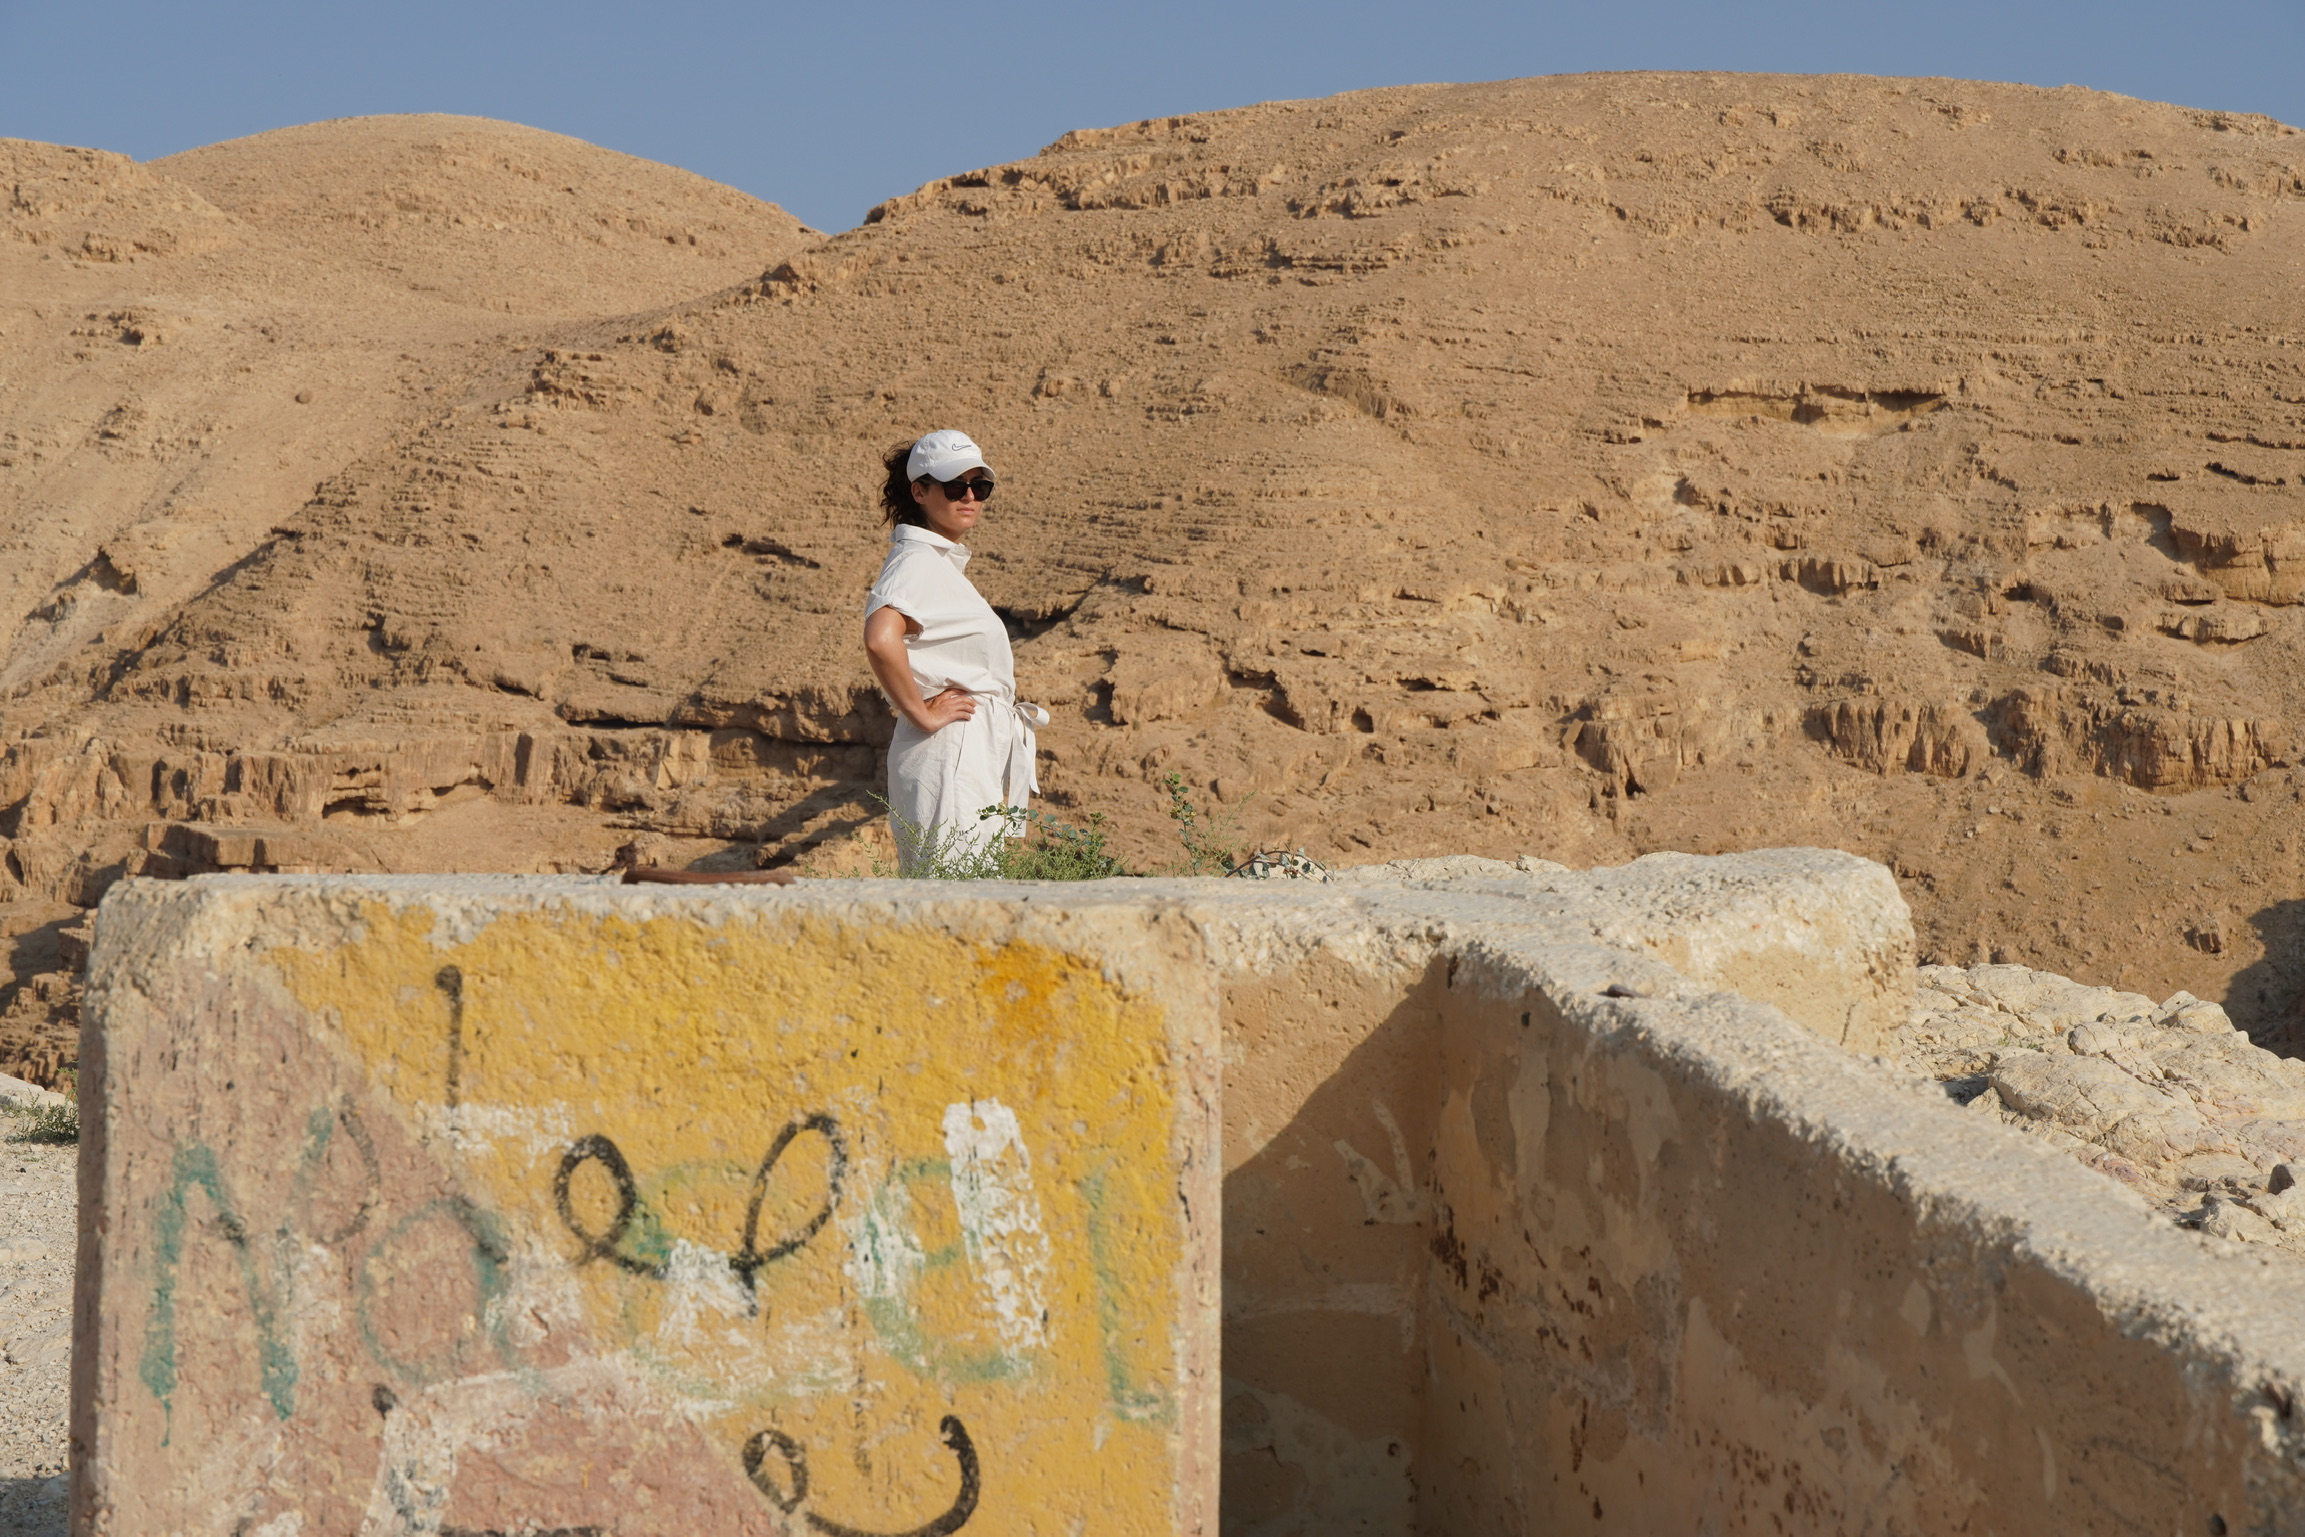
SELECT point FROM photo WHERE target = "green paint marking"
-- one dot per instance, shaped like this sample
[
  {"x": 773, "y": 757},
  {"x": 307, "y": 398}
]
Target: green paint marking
[
  {"x": 485, "y": 1250},
  {"x": 646, "y": 1239},
  {"x": 1127, "y": 1400},
  {"x": 891, "y": 1251},
  {"x": 276, "y": 1362}
]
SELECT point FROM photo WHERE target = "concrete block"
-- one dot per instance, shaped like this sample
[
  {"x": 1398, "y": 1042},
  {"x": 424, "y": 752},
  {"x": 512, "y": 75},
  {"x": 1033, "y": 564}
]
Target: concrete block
[
  {"x": 489, "y": 1205},
  {"x": 1823, "y": 935},
  {"x": 494, "y": 1205},
  {"x": 1698, "y": 1272},
  {"x": 1528, "y": 1233}
]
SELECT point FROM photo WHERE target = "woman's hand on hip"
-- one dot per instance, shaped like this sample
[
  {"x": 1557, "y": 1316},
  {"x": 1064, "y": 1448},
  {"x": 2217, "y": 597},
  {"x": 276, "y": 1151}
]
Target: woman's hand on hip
[
  {"x": 941, "y": 710},
  {"x": 884, "y": 633}
]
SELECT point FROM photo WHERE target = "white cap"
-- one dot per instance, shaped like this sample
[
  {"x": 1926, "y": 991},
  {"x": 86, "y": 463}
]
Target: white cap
[{"x": 944, "y": 455}]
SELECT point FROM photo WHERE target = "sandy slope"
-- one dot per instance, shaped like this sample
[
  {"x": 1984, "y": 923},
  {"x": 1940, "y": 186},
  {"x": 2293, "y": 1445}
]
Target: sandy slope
[
  {"x": 1579, "y": 466},
  {"x": 187, "y": 350}
]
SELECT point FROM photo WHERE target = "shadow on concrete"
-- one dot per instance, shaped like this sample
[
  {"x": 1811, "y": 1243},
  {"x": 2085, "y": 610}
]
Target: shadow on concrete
[{"x": 1327, "y": 1233}]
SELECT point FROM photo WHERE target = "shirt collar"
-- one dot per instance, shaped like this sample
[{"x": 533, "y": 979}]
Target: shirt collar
[{"x": 913, "y": 533}]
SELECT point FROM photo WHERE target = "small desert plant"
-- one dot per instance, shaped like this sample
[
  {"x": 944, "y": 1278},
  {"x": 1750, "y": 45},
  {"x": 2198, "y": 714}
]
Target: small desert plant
[
  {"x": 1212, "y": 839},
  {"x": 942, "y": 851},
  {"x": 1035, "y": 846},
  {"x": 51, "y": 1123},
  {"x": 1030, "y": 846}
]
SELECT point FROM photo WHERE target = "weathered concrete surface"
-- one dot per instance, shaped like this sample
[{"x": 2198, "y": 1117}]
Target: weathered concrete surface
[
  {"x": 1522, "y": 1231},
  {"x": 1714, "y": 1277},
  {"x": 1823, "y": 935},
  {"x": 505, "y": 1206},
  {"x": 1528, "y": 1234}
]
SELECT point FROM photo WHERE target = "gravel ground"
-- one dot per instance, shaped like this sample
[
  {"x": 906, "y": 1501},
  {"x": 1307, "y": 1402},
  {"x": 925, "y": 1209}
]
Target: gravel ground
[{"x": 37, "y": 1233}]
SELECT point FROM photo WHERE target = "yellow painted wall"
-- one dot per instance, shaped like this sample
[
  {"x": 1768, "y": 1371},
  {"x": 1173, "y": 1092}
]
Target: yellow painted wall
[{"x": 1003, "y": 1246}]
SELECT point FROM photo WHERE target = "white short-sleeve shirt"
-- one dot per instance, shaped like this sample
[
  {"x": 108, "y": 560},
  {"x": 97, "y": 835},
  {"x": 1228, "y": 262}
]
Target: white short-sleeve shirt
[{"x": 962, "y": 642}]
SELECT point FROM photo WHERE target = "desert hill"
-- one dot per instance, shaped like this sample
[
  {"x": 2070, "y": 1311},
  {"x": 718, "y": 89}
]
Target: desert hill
[
  {"x": 1578, "y": 466},
  {"x": 184, "y": 360},
  {"x": 188, "y": 349},
  {"x": 490, "y": 215}
]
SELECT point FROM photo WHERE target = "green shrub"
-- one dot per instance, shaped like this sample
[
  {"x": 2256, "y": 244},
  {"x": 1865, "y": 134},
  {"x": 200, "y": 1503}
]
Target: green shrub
[
  {"x": 47, "y": 1123},
  {"x": 1034, "y": 846},
  {"x": 1050, "y": 850},
  {"x": 1212, "y": 839},
  {"x": 1031, "y": 846}
]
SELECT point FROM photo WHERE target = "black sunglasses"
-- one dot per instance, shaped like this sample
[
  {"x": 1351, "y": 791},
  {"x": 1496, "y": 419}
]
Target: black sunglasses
[{"x": 958, "y": 490}]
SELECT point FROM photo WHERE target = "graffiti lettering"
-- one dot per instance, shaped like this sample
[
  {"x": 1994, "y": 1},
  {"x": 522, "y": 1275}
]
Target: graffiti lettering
[
  {"x": 267, "y": 1268},
  {"x": 750, "y": 1258},
  {"x": 598, "y": 1149},
  {"x": 276, "y": 1362},
  {"x": 320, "y": 1131},
  {"x": 794, "y": 1457},
  {"x": 410, "y": 1258},
  {"x": 795, "y": 1460},
  {"x": 450, "y": 981},
  {"x": 1129, "y": 1399}
]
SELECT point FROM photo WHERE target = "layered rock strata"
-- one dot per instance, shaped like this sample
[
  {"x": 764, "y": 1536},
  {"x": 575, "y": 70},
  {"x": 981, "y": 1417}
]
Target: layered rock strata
[{"x": 1597, "y": 464}]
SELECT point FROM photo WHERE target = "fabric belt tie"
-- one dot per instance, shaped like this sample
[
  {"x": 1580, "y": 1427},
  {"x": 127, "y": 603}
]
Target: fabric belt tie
[
  {"x": 1020, "y": 777},
  {"x": 1024, "y": 751}
]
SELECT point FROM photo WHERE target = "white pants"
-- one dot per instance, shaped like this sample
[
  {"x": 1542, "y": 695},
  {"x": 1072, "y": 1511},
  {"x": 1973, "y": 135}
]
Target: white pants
[{"x": 941, "y": 780}]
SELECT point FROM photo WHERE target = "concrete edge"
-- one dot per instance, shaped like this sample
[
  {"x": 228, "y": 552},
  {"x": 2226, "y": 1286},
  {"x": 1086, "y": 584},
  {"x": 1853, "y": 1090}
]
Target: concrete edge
[
  {"x": 2235, "y": 1310},
  {"x": 1995, "y": 1186}
]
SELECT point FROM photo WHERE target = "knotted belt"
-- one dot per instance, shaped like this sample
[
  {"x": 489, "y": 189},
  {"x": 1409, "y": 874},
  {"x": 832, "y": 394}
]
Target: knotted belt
[{"x": 1021, "y": 776}]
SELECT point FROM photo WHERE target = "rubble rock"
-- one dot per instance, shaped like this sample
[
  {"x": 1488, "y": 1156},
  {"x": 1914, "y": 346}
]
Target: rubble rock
[{"x": 2169, "y": 1098}]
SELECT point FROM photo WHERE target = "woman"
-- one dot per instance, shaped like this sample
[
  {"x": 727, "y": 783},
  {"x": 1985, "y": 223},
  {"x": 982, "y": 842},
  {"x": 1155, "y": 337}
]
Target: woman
[{"x": 963, "y": 741}]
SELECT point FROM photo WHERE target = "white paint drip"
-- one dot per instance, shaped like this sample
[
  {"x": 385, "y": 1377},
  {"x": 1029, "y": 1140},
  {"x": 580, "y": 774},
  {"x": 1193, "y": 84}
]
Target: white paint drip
[
  {"x": 809, "y": 1353},
  {"x": 424, "y": 1435},
  {"x": 229, "y": 1481},
  {"x": 482, "y": 1130},
  {"x": 416, "y": 1465},
  {"x": 1000, "y": 1217}
]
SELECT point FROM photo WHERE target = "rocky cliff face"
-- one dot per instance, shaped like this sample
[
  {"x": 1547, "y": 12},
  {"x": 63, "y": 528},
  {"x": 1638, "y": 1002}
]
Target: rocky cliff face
[{"x": 1586, "y": 466}]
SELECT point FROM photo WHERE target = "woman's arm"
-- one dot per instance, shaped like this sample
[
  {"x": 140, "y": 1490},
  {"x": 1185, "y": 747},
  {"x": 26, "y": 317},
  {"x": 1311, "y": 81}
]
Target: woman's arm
[{"x": 884, "y": 632}]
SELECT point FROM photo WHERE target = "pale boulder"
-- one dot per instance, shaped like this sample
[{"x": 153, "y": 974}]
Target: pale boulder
[{"x": 2098, "y": 1102}]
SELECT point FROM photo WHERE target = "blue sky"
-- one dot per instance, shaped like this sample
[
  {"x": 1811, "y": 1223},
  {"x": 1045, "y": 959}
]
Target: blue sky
[{"x": 828, "y": 108}]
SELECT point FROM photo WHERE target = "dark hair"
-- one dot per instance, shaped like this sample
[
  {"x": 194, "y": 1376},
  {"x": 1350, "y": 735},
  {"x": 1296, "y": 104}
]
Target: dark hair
[{"x": 896, "y": 503}]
